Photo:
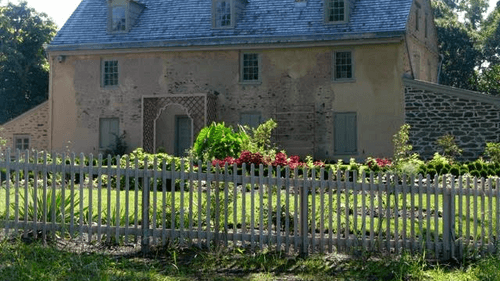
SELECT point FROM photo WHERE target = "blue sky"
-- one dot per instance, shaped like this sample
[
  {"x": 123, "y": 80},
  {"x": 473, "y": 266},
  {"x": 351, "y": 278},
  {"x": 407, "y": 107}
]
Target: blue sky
[{"x": 61, "y": 10}]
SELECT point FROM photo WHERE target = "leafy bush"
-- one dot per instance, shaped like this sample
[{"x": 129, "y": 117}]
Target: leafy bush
[
  {"x": 492, "y": 150},
  {"x": 218, "y": 141},
  {"x": 449, "y": 147},
  {"x": 259, "y": 139},
  {"x": 402, "y": 148}
]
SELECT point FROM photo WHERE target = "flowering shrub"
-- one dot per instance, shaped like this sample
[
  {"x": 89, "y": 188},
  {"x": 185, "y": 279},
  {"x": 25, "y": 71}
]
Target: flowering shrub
[
  {"x": 281, "y": 159},
  {"x": 376, "y": 164}
]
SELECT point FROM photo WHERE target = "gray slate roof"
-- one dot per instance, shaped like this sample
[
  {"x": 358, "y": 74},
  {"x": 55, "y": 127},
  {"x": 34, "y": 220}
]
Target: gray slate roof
[{"x": 174, "y": 23}]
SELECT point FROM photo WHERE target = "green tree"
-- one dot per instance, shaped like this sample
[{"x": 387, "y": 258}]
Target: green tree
[
  {"x": 24, "y": 70},
  {"x": 458, "y": 44}
]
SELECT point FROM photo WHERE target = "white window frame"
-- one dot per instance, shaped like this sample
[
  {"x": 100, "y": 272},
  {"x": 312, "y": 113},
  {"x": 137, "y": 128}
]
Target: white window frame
[
  {"x": 23, "y": 138},
  {"x": 334, "y": 66},
  {"x": 328, "y": 9},
  {"x": 104, "y": 74},
  {"x": 215, "y": 14},
  {"x": 243, "y": 67}
]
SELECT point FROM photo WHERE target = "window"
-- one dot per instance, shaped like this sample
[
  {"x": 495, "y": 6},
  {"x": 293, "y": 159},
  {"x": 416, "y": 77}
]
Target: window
[
  {"x": 250, "y": 119},
  {"x": 118, "y": 19},
  {"x": 21, "y": 142},
  {"x": 250, "y": 67},
  {"x": 343, "y": 67},
  {"x": 417, "y": 21},
  {"x": 108, "y": 132},
  {"x": 222, "y": 13},
  {"x": 426, "y": 26},
  {"x": 109, "y": 73},
  {"x": 345, "y": 133},
  {"x": 335, "y": 11}
]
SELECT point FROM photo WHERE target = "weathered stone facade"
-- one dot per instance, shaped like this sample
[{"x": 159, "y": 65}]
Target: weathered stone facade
[
  {"x": 33, "y": 124},
  {"x": 435, "y": 110}
]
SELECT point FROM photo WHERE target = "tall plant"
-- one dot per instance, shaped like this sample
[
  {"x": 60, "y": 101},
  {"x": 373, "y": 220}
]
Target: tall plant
[{"x": 218, "y": 141}]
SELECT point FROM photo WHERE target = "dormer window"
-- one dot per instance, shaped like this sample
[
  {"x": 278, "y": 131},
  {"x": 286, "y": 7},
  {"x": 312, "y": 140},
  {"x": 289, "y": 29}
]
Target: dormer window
[
  {"x": 222, "y": 13},
  {"x": 119, "y": 20},
  {"x": 336, "y": 11},
  {"x": 122, "y": 15}
]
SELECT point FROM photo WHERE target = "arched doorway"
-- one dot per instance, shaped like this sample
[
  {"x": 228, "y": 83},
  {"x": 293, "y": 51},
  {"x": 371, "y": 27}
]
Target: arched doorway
[{"x": 173, "y": 130}]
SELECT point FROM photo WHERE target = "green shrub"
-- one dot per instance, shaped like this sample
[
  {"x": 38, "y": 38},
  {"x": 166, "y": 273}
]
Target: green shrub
[
  {"x": 431, "y": 172},
  {"x": 475, "y": 173},
  {"x": 455, "y": 170},
  {"x": 492, "y": 150},
  {"x": 448, "y": 146},
  {"x": 484, "y": 173},
  {"x": 402, "y": 148},
  {"x": 445, "y": 170},
  {"x": 259, "y": 139},
  {"x": 218, "y": 141},
  {"x": 464, "y": 170},
  {"x": 478, "y": 165}
]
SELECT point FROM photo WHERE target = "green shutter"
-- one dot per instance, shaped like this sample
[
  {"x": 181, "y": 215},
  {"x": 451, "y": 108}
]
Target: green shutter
[
  {"x": 250, "y": 119},
  {"x": 108, "y": 131},
  {"x": 183, "y": 131},
  {"x": 345, "y": 133}
]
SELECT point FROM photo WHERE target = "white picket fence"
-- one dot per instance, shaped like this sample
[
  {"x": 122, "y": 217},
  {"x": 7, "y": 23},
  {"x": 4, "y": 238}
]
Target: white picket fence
[{"x": 260, "y": 207}]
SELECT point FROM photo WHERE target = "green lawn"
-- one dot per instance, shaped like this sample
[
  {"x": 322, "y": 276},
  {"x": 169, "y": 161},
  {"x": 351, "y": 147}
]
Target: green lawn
[{"x": 55, "y": 261}]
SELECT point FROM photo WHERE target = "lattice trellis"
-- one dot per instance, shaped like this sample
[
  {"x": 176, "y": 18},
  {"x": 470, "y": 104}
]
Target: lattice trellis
[{"x": 201, "y": 109}]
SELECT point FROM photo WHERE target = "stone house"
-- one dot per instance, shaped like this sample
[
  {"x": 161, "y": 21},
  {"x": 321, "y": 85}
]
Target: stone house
[{"x": 331, "y": 72}]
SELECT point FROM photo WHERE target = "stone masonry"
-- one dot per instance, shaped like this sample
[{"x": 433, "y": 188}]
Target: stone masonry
[
  {"x": 434, "y": 110},
  {"x": 33, "y": 124}
]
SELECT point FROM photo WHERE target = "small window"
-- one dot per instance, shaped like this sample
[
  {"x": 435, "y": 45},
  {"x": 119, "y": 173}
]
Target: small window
[
  {"x": 345, "y": 133},
  {"x": 108, "y": 132},
  {"x": 335, "y": 11},
  {"x": 109, "y": 73},
  {"x": 417, "y": 20},
  {"x": 118, "y": 19},
  {"x": 343, "y": 67},
  {"x": 250, "y": 67},
  {"x": 22, "y": 142},
  {"x": 250, "y": 119},
  {"x": 426, "y": 26},
  {"x": 222, "y": 13}
]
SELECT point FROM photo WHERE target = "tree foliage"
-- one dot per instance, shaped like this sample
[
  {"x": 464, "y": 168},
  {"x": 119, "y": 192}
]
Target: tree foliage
[
  {"x": 470, "y": 44},
  {"x": 24, "y": 70}
]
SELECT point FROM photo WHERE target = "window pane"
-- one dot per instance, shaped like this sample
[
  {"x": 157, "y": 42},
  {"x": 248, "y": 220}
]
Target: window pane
[
  {"x": 110, "y": 75},
  {"x": 335, "y": 10},
  {"x": 343, "y": 65},
  {"x": 250, "y": 67},
  {"x": 222, "y": 13},
  {"x": 118, "y": 19}
]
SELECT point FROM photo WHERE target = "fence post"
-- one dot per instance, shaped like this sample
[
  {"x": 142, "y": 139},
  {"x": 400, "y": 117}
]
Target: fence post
[
  {"x": 304, "y": 226},
  {"x": 448, "y": 220},
  {"x": 145, "y": 210}
]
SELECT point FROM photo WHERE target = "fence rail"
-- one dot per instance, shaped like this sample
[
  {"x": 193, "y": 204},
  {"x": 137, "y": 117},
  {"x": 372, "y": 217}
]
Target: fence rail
[{"x": 291, "y": 210}]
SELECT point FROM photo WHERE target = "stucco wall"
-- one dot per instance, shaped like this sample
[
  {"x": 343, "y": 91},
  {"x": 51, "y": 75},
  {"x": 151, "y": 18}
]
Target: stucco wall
[
  {"x": 422, "y": 53},
  {"x": 33, "y": 124},
  {"x": 292, "y": 76},
  {"x": 432, "y": 113}
]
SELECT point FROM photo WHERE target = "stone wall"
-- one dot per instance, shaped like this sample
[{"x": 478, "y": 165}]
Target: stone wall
[
  {"x": 434, "y": 110},
  {"x": 33, "y": 124}
]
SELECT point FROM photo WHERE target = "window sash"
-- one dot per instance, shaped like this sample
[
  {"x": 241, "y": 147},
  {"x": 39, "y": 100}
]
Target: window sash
[
  {"x": 110, "y": 73},
  {"x": 222, "y": 13},
  {"x": 21, "y": 142},
  {"x": 250, "y": 69},
  {"x": 118, "y": 18},
  {"x": 335, "y": 10},
  {"x": 343, "y": 65}
]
